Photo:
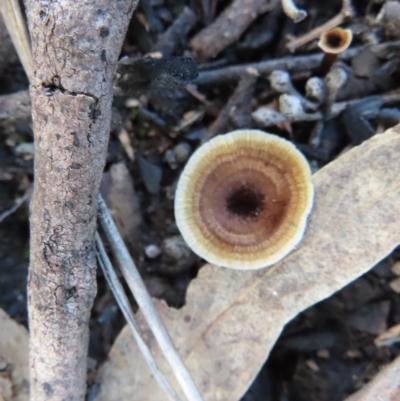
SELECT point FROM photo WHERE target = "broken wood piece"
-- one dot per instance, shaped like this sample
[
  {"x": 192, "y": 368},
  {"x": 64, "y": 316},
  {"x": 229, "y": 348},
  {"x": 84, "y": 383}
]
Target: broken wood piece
[
  {"x": 176, "y": 35},
  {"x": 227, "y": 28}
]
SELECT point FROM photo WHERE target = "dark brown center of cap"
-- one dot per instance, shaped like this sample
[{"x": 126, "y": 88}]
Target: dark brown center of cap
[
  {"x": 335, "y": 39},
  {"x": 245, "y": 202}
]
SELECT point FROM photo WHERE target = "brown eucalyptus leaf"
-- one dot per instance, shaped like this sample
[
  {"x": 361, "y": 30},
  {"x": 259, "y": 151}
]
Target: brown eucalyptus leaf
[
  {"x": 383, "y": 387},
  {"x": 232, "y": 318}
]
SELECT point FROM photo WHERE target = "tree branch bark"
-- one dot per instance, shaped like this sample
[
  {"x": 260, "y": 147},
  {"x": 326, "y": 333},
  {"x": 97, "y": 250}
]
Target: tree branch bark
[{"x": 75, "y": 46}]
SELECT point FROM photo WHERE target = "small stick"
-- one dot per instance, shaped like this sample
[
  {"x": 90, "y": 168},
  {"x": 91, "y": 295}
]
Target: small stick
[
  {"x": 123, "y": 303},
  {"x": 143, "y": 299},
  {"x": 291, "y": 10}
]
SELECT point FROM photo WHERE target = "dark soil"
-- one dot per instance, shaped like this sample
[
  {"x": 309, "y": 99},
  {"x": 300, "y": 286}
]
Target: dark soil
[{"x": 328, "y": 351}]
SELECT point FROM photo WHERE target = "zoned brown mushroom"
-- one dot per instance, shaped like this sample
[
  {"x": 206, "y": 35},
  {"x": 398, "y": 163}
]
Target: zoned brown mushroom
[
  {"x": 243, "y": 199},
  {"x": 332, "y": 43}
]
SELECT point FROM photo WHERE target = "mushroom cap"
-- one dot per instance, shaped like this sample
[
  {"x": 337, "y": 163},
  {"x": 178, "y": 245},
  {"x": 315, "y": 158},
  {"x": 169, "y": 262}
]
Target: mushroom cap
[
  {"x": 243, "y": 199},
  {"x": 336, "y": 40}
]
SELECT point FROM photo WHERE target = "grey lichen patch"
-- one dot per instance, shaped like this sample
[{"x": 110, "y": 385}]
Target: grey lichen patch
[
  {"x": 76, "y": 139},
  {"x": 70, "y": 292},
  {"x": 70, "y": 205},
  {"x": 76, "y": 166},
  {"x": 95, "y": 111},
  {"x": 48, "y": 389},
  {"x": 104, "y": 32}
]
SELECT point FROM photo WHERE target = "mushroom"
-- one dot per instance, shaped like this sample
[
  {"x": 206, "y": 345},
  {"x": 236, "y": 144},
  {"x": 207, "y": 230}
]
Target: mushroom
[
  {"x": 291, "y": 107},
  {"x": 332, "y": 43},
  {"x": 280, "y": 81},
  {"x": 267, "y": 117},
  {"x": 316, "y": 90},
  {"x": 334, "y": 80},
  {"x": 243, "y": 199}
]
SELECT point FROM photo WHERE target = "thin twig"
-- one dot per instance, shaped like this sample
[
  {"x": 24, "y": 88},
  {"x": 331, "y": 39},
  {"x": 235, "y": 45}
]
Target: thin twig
[
  {"x": 14, "y": 21},
  {"x": 18, "y": 202},
  {"x": 143, "y": 299},
  {"x": 291, "y": 64},
  {"x": 123, "y": 304},
  {"x": 388, "y": 98}
]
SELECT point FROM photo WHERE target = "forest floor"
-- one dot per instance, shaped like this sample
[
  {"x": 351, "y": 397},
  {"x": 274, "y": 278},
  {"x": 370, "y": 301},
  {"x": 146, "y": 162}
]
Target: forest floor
[{"x": 326, "y": 352}]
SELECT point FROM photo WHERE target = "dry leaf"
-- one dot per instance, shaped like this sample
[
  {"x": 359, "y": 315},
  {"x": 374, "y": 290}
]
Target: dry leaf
[
  {"x": 233, "y": 318},
  {"x": 383, "y": 387},
  {"x": 14, "y": 355},
  {"x": 120, "y": 195}
]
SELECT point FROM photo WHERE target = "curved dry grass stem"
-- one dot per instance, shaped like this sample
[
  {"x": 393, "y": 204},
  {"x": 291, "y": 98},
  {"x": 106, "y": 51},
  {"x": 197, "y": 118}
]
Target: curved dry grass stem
[
  {"x": 16, "y": 27},
  {"x": 123, "y": 303},
  {"x": 18, "y": 202},
  {"x": 142, "y": 297}
]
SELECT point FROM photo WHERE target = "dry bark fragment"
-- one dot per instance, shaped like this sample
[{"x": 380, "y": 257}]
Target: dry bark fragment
[{"x": 75, "y": 48}]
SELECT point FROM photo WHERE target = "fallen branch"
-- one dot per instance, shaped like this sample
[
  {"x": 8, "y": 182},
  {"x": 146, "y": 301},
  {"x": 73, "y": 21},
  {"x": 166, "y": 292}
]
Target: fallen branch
[
  {"x": 71, "y": 93},
  {"x": 227, "y": 27}
]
